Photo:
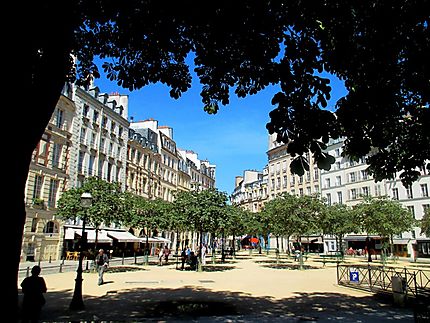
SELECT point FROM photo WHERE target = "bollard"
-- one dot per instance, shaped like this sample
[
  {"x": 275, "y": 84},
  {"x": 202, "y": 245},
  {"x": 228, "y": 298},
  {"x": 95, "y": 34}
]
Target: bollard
[
  {"x": 86, "y": 267},
  {"x": 135, "y": 258},
  {"x": 122, "y": 258},
  {"x": 61, "y": 268},
  {"x": 28, "y": 272},
  {"x": 50, "y": 259}
]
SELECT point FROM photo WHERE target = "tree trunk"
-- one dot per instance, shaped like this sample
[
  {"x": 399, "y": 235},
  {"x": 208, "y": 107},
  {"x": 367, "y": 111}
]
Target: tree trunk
[
  {"x": 38, "y": 93},
  {"x": 222, "y": 247}
]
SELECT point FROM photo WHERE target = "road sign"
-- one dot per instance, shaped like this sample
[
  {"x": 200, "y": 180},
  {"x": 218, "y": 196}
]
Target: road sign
[{"x": 353, "y": 275}]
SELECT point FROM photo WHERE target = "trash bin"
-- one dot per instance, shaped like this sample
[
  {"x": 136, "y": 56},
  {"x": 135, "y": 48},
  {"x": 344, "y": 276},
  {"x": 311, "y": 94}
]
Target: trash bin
[{"x": 399, "y": 286}]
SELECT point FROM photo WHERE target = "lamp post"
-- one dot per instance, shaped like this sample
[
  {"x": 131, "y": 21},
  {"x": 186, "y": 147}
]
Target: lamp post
[{"x": 77, "y": 302}]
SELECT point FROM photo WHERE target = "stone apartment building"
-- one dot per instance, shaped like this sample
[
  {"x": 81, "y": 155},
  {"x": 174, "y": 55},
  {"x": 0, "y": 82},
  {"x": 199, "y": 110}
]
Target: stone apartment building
[
  {"x": 48, "y": 176},
  {"x": 86, "y": 136},
  {"x": 347, "y": 182},
  {"x": 89, "y": 135}
]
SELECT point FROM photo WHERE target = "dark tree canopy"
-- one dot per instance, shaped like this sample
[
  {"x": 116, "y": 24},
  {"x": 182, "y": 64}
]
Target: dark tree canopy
[{"x": 380, "y": 50}]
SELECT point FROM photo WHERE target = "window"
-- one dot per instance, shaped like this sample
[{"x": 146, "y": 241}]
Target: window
[
  {"x": 301, "y": 191},
  {"x": 59, "y": 118},
  {"x": 91, "y": 165},
  {"x": 50, "y": 227},
  {"x": 378, "y": 190},
  {"x": 327, "y": 183},
  {"x": 56, "y": 155},
  {"x": 80, "y": 161},
  {"x": 411, "y": 209},
  {"x": 425, "y": 207},
  {"x": 100, "y": 170},
  {"x": 338, "y": 165},
  {"x": 53, "y": 189},
  {"x": 395, "y": 193},
  {"x": 85, "y": 110},
  {"x": 95, "y": 116},
  {"x": 364, "y": 174},
  {"x": 424, "y": 190},
  {"x": 34, "y": 225},
  {"x": 308, "y": 190},
  {"x": 352, "y": 177},
  {"x": 365, "y": 191},
  {"x": 337, "y": 152},
  {"x": 338, "y": 180},
  {"x": 83, "y": 133},
  {"x": 316, "y": 188},
  {"x": 339, "y": 197},
  {"x": 353, "y": 194},
  {"x": 37, "y": 190},
  {"x": 409, "y": 192},
  {"x": 328, "y": 197},
  {"x": 316, "y": 173},
  {"x": 285, "y": 181}
]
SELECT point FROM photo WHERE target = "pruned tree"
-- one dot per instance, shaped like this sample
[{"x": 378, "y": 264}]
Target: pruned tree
[{"x": 385, "y": 217}]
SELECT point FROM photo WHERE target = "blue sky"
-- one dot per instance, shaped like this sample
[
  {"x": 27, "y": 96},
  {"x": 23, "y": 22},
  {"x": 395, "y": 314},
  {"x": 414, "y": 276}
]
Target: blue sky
[{"x": 235, "y": 139}]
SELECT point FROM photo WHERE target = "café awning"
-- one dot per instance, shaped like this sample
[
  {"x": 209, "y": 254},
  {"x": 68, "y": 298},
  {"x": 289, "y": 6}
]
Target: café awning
[
  {"x": 150, "y": 240},
  {"x": 72, "y": 233},
  {"x": 123, "y": 236}
]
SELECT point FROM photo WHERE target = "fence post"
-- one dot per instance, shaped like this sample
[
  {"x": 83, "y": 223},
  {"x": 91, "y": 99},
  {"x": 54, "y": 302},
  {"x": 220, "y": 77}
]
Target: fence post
[
  {"x": 370, "y": 276},
  {"x": 337, "y": 273},
  {"x": 61, "y": 268},
  {"x": 415, "y": 284}
]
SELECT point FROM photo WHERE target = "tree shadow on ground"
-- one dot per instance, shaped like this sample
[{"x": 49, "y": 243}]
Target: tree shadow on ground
[
  {"x": 215, "y": 268},
  {"x": 122, "y": 269},
  {"x": 190, "y": 303},
  {"x": 272, "y": 261},
  {"x": 288, "y": 266}
]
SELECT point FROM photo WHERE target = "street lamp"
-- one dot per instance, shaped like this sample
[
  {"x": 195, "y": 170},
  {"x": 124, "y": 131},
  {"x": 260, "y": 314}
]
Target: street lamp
[{"x": 77, "y": 302}]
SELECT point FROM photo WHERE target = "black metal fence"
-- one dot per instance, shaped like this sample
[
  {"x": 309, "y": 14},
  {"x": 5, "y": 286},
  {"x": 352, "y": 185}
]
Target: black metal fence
[{"x": 379, "y": 279}]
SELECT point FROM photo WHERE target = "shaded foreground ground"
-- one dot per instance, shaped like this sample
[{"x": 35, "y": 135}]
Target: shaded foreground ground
[{"x": 245, "y": 290}]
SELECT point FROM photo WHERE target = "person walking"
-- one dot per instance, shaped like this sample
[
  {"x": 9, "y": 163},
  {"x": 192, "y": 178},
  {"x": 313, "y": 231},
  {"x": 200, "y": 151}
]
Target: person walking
[
  {"x": 203, "y": 254},
  {"x": 183, "y": 258},
  {"x": 166, "y": 254},
  {"x": 33, "y": 288},
  {"x": 102, "y": 262}
]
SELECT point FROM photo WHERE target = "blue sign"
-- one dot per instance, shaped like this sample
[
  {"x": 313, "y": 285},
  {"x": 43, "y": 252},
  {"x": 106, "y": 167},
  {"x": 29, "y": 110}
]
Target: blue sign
[{"x": 353, "y": 275}]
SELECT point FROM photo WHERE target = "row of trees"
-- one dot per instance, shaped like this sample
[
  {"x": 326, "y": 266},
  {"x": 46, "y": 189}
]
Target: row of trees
[
  {"x": 204, "y": 211},
  {"x": 290, "y": 215},
  {"x": 207, "y": 211}
]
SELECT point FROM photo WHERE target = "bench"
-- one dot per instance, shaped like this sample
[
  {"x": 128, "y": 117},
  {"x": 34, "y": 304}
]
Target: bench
[
  {"x": 296, "y": 257},
  {"x": 335, "y": 258}
]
